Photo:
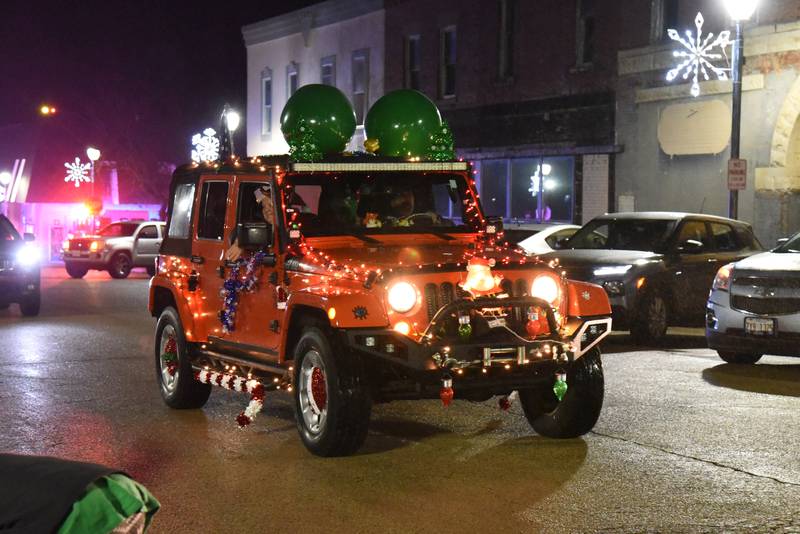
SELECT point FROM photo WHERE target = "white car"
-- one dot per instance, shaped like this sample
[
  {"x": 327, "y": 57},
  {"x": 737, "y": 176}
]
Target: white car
[
  {"x": 542, "y": 238},
  {"x": 754, "y": 306}
]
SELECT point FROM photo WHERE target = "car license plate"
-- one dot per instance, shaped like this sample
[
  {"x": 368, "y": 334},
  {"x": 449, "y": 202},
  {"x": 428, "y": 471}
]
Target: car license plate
[
  {"x": 759, "y": 326},
  {"x": 75, "y": 253}
]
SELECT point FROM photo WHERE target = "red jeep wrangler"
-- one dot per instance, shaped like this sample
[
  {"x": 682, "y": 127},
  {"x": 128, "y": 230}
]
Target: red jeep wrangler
[{"x": 358, "y": 280}]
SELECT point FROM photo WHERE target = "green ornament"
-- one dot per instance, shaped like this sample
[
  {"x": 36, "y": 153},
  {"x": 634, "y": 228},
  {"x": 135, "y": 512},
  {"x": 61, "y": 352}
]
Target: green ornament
[
  {"x": 441, "y": 147},
  {"x": 303, "y": 145},
  {"x": 560, "y": 387},
  {"x": 464, "y": 330},
  {"x": 327, "y": 118},
  {"x": 402, "y": 122}
]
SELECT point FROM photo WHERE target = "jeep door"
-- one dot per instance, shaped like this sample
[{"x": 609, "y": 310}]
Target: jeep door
[
  {"x": 694, "y": 267},
  {"x": 146, "y": 244},
  {"x": 258, "y": 317},
  {"x": 208, "y": 249}
]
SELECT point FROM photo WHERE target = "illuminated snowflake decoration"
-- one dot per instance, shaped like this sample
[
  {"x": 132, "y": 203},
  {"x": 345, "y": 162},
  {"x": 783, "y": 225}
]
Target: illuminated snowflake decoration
[
  {"x": 698, "y": 56},
  {"x": 206, "y": 146},
  {"x": 77, "y": 172}
]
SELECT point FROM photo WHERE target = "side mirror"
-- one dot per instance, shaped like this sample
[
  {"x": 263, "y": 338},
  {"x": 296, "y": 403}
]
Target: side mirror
[
  {"x": 255, "y": 235},
  {"x": 781, "y": 241},
  {"x": 494, "y": 225},
  {"x": 28, "y": 237},
  {"x": 691, "y": 246}
]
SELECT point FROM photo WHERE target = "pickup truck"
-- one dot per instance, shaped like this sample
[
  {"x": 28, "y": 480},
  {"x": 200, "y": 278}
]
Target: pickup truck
[{"x": 117, "y": 248}]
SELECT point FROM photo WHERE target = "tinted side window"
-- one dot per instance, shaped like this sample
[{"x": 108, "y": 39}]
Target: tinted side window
[
  {"x": 695, "y": 231},
  {"x": 148, "y": 232},
  {"x": 214, "y": 198},
  {"x": 747, "y": 240},
  {"x": 181, "y": 217},
  {"x": 724, "y": 238},
  {"x": 7, "y": 231}
]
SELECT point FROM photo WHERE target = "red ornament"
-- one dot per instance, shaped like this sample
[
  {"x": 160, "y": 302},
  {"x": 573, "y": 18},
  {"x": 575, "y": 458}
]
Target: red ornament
[
  {"x": 446, "y": 393},
  {"x": 504, "y": 403},
  {"x": 171, "y": 346},
  {"x": 243, "y": 420},
  {"x": 533, "y": 328}
]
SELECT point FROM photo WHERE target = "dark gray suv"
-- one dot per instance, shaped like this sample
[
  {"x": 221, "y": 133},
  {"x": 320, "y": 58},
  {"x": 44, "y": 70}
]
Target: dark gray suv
[{"x": 657, "y": 267}]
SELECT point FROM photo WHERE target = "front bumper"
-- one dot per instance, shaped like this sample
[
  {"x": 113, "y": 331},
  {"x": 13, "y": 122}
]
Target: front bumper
[
  {"x": 725, "y": 330},
  {"x": 90, "y": 260}
]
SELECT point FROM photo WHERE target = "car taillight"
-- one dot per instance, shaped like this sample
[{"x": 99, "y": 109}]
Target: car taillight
[{"x": 723, "y": 279}]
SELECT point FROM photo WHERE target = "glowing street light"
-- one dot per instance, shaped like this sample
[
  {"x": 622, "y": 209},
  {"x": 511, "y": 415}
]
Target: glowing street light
[
  {"x": 233, "y": 119},
  {"x": 739, "y": 10},
  {"x": 47, "y": 109},
  {"x": 5, "y": 178}
]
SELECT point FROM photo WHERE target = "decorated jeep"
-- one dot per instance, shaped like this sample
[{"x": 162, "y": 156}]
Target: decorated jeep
[{"x": 354, "y": 279}]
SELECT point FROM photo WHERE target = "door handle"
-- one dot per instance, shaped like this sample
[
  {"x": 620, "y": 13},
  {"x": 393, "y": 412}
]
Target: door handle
[{"x": 197, "y": 259}]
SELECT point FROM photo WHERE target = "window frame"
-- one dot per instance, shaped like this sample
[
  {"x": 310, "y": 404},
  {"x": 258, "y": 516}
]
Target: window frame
[
  {"x": 292, "y": 69},
  {"x": 266, "y": 107},
  {"x": 407, "y": 64},
  {"x": 659, "y": 21},
  {"x": 505, "y": 39},
  {"x": 584, "y": 15},
  {"x": 327, "y": 61},
  {"x": 188, "y": 234},
  {"x": 360, "y": 54},
  {"x": 443, "y": 61}
]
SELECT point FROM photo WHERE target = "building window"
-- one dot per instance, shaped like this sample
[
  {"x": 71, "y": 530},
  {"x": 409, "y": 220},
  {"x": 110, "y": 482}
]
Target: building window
[
  {"x": 447, "y": 63},
  {"x": 292, "y": 81},
  {"x": 327, "y": 74},
  {"x": 663, "y": 16},
  {"x": 585, "y": 32},
  {"x": 266, "y": 102},
  {"x": 505, "y": 44},
  {"x": 360, "y": 84},
  {"x": 412, "y": 63}
]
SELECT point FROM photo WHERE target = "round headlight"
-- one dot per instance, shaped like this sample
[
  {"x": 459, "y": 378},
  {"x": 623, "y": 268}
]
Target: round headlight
[
  {"x": 546, "y": 288},
  {"x": 402, "y": 297}
]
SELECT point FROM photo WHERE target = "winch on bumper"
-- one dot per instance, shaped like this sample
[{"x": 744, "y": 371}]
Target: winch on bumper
[{"x": 500, "y": 358}]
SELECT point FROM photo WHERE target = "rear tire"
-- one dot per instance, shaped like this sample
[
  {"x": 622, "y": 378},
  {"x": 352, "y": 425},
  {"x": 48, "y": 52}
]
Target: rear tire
[
  {"x": 739, "y": 357},
  {"x": 181, "y": 390},
  {"x": 577, "y": 413},
  {"x": 649, "y": 325},
  {"x": 332, "y": 401},
  {"x": 30, "y": 304},
  {"x": 120, "y": 265},
  {"x": 76, "y": 271}
]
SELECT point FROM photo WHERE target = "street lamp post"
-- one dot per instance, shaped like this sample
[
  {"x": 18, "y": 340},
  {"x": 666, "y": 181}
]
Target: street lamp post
[
  {"x": 739, "y": 11},
  {"x": 93, "y": 154}
]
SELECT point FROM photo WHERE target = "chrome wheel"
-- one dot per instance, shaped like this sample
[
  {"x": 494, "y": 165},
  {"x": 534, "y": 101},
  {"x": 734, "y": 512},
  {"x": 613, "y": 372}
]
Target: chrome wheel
[
  {"x": 313, "y": 392},
  {"x": 169, "y": 380}
]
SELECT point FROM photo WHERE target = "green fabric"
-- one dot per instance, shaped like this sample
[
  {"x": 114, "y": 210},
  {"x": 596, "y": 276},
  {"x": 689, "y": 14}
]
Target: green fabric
[{"x": 107, "y": 503}]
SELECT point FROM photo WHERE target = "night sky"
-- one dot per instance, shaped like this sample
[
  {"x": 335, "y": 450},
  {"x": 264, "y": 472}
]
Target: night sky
[{"x": 135, "y": 77}]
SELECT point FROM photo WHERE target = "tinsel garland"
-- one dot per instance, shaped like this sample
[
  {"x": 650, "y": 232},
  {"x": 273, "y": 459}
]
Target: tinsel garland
[
  {"x": 234, "y": 285},
  {"x": 237, "y": 383}
]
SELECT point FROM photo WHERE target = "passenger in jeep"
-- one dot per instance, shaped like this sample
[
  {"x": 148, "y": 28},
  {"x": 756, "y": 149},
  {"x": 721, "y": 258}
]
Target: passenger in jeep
[{"x": 263, "y": 199}]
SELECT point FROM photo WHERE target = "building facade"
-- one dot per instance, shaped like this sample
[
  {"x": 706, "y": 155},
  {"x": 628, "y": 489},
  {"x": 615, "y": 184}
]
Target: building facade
[
  {"x": 676, "y": 147},
  {"x": 339, "y": 43}
]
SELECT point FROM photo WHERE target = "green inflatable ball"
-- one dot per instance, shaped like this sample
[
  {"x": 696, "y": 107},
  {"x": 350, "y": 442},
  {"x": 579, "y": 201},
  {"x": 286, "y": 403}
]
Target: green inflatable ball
[
  {"x": 327, "y": 113},
  {"x": 402, "y": 123}
]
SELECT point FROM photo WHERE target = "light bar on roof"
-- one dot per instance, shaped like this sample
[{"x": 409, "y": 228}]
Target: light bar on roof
[{"x": 399, "y": 166}]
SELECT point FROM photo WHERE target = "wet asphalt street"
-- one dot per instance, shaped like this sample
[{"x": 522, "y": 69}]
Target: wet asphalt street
[{"x": 685, "y": 442}]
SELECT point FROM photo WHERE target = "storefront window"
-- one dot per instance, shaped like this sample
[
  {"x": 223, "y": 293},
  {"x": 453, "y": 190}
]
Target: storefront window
[
  {"x": 494, "y": 186},
  {"x": 541, "y": 189}
]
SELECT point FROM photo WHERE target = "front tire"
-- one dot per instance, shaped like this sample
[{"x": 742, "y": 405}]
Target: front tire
[
  {"x": 179, "y": 390},
  {"x": 332, "y": 402},
  {"x": 649, "y": 325},
  {"x": 30, "y": 304},
  {"x": 739, "y": 357},
  {"x": 577, "y": 413},
  {"x": 76, "y": 271},
  {"x": 120, "y": 265}
]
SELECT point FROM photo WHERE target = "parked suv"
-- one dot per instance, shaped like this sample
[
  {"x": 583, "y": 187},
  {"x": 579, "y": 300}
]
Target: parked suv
[
  {"x": 656, "y": 267},
  {"x": 754, "y": 306},
  {"x": 373, "y": 280},
  {"x": 19, "y": 270},
  {"x": 118, "y": 248}
]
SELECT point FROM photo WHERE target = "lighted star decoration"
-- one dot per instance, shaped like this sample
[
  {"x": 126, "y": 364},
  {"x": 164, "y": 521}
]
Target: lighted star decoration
[
  {"x": 206, "y": 146},
  {"x": 699, "y": 54},
  {"x": 77, "y": 172}
]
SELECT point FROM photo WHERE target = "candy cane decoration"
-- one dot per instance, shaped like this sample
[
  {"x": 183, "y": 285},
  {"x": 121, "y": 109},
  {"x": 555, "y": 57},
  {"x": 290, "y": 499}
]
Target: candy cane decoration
[{"x": 237, "y": 383}]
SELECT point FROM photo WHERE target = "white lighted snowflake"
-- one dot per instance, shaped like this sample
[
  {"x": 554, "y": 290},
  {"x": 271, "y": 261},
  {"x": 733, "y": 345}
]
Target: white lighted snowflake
[
  {"x": 206, "y": 146},
  {"x": 698, "y": 56},
  {"x": 77, "y": 172}
]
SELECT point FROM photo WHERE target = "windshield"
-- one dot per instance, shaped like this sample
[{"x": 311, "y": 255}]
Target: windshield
[
  {"x": 793, "y": 245},
  {"x": 623, "y": 234},
  {"x": 7, "y": 230},
  {"x": 376, "y": 203},
  {"x": 119, "y": 230}
]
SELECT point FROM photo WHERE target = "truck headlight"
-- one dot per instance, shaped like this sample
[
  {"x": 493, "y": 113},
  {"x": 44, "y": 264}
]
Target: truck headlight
[
  {"x": 723, "y": 279},
  {"x": 546, "y": 287},
  {"x": 28, "y": 256},
  {"x": 402, "y": 297}
]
